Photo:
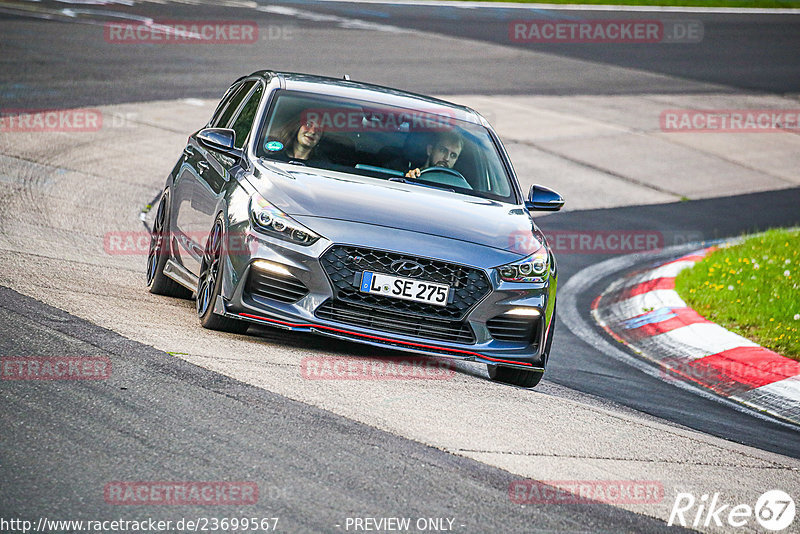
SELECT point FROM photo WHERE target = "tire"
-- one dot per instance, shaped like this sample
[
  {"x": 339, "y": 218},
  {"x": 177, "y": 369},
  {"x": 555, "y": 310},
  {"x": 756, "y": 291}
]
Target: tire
[
  {"x": 209, "y": 285},
  {"x": 159, "y": 253},
  {"x": 517, "y": 377},
  {"x": 522, "y": 377}
]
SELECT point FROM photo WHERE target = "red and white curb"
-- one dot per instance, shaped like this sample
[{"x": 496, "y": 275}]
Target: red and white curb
[{"x": 644, "y": 311}]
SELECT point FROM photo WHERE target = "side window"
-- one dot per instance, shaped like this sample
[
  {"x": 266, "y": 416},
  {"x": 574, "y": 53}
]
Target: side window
[
  {"x": 233, "y": 104},
  {"x": 223, "y": 104},
  {"x": 244, "y": 121}
]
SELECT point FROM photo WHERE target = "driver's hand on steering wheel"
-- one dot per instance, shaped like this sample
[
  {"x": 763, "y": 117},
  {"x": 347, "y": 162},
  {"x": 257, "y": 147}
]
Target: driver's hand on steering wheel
[{"x": 413, "y": 173}]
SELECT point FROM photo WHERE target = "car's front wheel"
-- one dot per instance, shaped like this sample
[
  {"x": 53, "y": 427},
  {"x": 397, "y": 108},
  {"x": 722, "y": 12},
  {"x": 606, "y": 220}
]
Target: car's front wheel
[
  {"x": 516, "y": 377},
  {"x": 209, "y": 285}
]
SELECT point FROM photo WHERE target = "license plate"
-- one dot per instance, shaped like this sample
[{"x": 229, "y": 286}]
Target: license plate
[{"x": 405, "y": 288}]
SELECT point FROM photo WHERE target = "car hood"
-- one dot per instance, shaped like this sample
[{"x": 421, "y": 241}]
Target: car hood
[{"x": 333, "y": 195}]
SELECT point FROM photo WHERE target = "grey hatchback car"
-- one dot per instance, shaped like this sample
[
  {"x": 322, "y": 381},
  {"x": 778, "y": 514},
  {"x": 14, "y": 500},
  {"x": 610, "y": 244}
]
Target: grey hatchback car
[{"x": 363, "y": 213}]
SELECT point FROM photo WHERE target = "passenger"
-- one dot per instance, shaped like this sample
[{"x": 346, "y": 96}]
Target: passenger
[
  {"x": 300, "y": 141},
  {"x": 443, "y": 152}
]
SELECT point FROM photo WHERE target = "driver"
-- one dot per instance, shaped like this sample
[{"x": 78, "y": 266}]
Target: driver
[{"x": 442, "y": 152}]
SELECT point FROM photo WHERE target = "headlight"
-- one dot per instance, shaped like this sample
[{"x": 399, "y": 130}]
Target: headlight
[
  {"x": 273, "y": 222},
  {"x": 534, "y": 268}
]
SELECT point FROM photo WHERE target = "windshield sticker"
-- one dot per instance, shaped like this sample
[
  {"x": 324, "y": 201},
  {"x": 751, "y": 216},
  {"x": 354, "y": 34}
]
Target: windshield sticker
[{"x": 273, "y": 146}]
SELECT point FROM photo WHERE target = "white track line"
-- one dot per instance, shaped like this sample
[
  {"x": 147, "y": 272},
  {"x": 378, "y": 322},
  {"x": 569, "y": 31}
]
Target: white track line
[{"x": 575, "y": 7}]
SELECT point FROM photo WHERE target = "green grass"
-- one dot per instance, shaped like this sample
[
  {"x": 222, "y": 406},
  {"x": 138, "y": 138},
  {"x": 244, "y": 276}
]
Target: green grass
[
  {"x": 686, "y": 3},
  {"x": 752, "y": 289}
]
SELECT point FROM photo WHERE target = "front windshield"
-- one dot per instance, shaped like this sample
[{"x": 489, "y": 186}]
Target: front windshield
[{"x": 384, "y": 142}]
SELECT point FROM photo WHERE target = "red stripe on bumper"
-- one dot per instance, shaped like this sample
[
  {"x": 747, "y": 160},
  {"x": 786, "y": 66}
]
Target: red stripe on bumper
[{"x": 384, "y": 339}]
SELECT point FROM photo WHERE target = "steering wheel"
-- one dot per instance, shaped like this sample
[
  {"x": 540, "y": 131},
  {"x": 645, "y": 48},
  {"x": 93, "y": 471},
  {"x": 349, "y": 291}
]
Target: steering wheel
[{"x": 446, "y": 170}]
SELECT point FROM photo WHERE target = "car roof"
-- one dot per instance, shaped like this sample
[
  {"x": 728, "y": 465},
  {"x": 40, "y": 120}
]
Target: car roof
[{"x": 389, "y": 96}]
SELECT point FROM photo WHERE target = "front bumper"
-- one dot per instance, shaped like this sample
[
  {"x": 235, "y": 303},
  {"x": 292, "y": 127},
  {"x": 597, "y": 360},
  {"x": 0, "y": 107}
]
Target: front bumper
[{"x": 241, "y": 300}]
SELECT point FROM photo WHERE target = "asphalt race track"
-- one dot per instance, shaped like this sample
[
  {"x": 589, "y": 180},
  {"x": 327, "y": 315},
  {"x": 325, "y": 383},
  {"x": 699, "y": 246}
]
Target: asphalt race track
[
  {"x": 185, "y": 404},
  {"x": 308, "y": 462}
]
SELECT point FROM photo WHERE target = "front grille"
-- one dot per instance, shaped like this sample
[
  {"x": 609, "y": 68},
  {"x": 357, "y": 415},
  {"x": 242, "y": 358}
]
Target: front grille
[
  {"x": 275, "y": 287},
  {"x": 344, "y": 265},
  {"x": 390, "y": 321},
  {"x": 514, "y": 329}
]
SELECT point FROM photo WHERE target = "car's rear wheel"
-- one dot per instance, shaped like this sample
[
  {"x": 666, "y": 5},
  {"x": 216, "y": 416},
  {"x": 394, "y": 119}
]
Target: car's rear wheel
[
  {"x": 159, "y": 253},
  {"x": 516, "y": 377},
  {"x": 209, "y": 285}
]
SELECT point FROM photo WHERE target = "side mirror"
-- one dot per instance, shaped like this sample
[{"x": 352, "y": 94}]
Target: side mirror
[
  {"x": 542, "y": 198},
  {"x": 219, "y": 139}
]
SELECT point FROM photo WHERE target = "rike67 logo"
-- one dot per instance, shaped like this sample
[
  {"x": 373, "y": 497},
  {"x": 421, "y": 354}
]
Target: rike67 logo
[{"x": 774, "y": 510}]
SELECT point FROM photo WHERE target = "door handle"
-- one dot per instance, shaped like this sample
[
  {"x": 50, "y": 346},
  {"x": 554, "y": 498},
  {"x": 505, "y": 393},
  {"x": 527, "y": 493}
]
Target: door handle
[{"x": 203, "y": 166}]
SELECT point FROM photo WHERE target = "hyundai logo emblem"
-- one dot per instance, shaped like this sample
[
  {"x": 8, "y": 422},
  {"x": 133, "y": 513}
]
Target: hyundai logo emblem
[{"x": 406, "y": 267}]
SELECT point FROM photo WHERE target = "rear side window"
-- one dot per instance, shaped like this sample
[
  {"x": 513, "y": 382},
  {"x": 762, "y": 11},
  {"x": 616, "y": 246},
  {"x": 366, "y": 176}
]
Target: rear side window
[
  {"x": 244, "y": 121},
  {"x": 230, "y": 108}
]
